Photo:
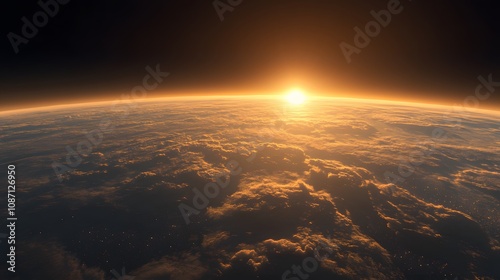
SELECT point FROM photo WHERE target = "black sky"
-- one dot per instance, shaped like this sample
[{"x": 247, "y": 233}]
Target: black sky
[{"x": 432, "y": 50}]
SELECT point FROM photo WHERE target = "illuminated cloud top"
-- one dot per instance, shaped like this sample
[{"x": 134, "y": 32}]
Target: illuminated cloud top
[{"x": 384, "y": 190}]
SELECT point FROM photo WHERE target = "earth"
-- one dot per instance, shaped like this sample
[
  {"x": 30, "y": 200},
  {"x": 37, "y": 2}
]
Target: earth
[{"x": 254, "y": 188}]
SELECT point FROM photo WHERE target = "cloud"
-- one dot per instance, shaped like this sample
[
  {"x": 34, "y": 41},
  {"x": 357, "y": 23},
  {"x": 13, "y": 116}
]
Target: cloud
[
  {"x": 318, "y": 180},
  {"x": 49, "y": 260},
  {"x": 184, "y": 267}
]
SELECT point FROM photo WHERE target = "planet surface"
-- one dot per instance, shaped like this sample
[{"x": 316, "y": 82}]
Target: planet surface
[{"x": 254, "y": 188}]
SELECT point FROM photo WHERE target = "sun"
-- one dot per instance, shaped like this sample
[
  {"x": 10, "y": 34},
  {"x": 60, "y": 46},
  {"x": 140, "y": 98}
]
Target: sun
[{"x": 296, "y": 97}]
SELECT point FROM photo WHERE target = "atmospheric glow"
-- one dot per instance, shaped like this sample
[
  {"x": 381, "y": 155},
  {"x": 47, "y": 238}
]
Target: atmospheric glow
[{"x": 296, "y": 97}]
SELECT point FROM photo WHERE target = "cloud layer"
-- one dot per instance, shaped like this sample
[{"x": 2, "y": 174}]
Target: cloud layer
[{"x": 310, "y": 176}]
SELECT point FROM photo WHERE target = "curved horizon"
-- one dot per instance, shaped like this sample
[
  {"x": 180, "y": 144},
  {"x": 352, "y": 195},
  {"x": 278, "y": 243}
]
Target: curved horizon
[{"x": 411, "y": 102}]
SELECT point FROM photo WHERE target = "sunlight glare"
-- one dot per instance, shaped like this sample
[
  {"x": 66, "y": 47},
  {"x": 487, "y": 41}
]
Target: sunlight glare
[{"x": 296, "y": 97}]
